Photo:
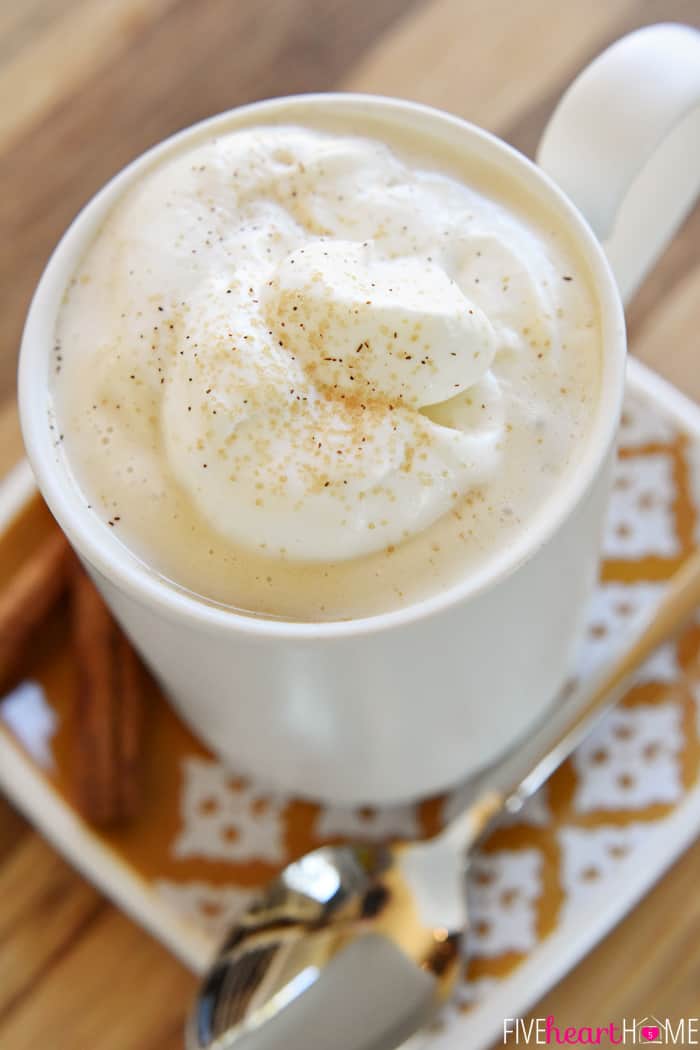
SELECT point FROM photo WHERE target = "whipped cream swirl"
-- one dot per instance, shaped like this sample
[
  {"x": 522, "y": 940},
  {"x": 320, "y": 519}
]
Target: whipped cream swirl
[{"x": 329, "y": 348}]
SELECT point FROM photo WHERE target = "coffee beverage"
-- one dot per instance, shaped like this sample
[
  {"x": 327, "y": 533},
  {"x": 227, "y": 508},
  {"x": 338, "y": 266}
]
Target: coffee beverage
[
  {"x": 309, "y": 374},
  {"x": 324, "y": 393}
]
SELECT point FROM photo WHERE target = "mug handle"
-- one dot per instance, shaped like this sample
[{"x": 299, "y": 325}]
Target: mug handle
[{"x": 624, "y": 145}]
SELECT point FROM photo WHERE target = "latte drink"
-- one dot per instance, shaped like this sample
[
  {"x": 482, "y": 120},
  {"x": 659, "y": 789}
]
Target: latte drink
[{"x": 310, "y": 373}]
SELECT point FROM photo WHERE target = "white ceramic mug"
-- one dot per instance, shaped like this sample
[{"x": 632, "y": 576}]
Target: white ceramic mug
[{"x": 406, "y": 703}]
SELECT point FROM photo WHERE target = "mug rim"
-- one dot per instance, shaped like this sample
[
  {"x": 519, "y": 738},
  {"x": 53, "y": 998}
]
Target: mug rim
[{"x": 112, "y": 559}]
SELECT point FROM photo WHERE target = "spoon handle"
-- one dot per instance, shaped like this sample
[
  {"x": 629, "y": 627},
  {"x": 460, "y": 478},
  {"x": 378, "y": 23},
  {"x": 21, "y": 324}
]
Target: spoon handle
[{"x": 505, "y": 787}]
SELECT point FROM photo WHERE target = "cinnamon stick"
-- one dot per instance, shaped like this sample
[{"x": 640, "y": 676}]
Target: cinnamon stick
[
  {"x": 130, "y": 725},
  {"x": 28, "y": 598},
  {"x": 95, "y": 756},
  {"x": 108, "y": 711},
  {"x": 109, "y": 704}
]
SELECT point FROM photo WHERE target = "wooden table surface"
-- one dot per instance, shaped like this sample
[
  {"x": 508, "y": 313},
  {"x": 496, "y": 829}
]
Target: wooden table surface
[{"x": 85, "y": 85}]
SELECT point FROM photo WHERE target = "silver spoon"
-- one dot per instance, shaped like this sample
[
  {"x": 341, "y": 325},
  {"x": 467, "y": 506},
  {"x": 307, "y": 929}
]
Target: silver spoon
[{"x": 354, "y": 947}]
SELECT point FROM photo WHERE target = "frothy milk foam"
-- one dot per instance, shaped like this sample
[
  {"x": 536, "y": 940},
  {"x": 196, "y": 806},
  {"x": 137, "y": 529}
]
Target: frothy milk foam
[{"x": 302, "y": 374}]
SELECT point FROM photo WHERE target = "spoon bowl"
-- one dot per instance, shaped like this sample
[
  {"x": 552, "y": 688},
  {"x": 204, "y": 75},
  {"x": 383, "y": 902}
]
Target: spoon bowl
[{"x": 353, "y": 914}]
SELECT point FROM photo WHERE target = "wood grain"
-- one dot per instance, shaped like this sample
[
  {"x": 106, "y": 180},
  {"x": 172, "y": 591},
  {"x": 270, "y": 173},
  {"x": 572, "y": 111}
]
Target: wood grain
[
  {"x": 669, "y": 341},
  {"x": 86, "y": 85},
  {"x": 50, "y": 907},
  {"x": 10, "y": 437},
  {"x": 486, "y": 60},
  {"x": 42, "y": 60}
]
